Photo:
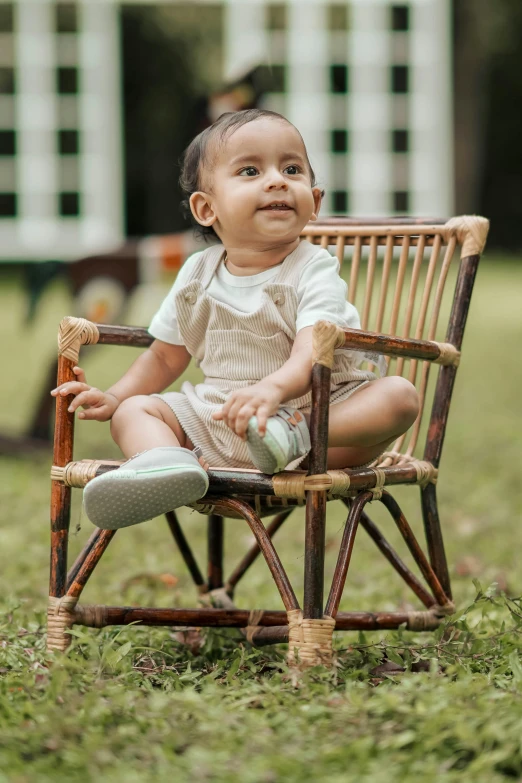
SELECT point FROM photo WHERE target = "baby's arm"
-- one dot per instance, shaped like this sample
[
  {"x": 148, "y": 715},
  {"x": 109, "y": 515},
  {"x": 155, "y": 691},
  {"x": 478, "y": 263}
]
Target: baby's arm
[
  {"x": 154, "y": 370},
  {"x": 294, "y": 378}
]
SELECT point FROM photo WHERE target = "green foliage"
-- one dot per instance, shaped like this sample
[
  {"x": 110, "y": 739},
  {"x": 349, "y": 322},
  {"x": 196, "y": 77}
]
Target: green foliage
[
  {"x": 137, "y": 704},
  {"x": 133, "y": 703}
]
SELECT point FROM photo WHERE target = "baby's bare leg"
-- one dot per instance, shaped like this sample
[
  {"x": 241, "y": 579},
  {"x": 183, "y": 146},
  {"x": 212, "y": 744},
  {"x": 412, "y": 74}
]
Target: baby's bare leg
[
  {"x": 365, "y": 424},
  {"x": 141, "y": 423}
]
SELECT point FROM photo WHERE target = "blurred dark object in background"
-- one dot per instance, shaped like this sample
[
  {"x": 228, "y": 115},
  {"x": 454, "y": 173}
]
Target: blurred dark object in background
[
  {"x": 165, "y": 104},
  {"x": 159, "y": 85},
  {"x": 488, "y": 121}
]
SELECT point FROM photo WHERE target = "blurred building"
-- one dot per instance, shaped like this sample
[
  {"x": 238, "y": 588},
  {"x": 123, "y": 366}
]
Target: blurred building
[{"x": 367, "y": 82}]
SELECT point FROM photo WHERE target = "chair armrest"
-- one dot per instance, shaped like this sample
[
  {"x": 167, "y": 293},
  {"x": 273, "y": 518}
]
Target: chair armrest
[
  {"x": 426, "y": 350},
  {"x": 375, "y": 343},
  {"x": 135, "y": 336},
  {"x": 75, "y": 332}
]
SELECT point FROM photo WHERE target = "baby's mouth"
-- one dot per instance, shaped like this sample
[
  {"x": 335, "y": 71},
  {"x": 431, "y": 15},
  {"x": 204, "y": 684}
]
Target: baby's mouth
[{"x": 278, "y": 206}]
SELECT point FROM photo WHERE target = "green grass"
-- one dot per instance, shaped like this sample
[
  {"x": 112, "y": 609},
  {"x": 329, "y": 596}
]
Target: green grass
[{"x": 135, "y": 704}]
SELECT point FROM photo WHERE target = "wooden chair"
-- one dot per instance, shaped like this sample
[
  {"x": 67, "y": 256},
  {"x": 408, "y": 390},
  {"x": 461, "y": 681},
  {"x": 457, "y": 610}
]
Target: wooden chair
[{"x": 398, "y": 275}]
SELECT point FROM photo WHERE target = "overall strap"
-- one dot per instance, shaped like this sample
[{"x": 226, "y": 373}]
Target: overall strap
[{"x": 206, "y": 265}]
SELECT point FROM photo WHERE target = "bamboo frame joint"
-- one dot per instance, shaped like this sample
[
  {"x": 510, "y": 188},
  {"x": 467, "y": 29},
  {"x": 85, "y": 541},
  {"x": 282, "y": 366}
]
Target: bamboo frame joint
[
  {"x": 326, "y": 337},
  {"x": 470, "y": 231},
  {"x": 290, "y": 484},
  {"x": 93, "y": 616},
  {"x": 73, "y": 333},
  {"x": 448, "y": 356}
]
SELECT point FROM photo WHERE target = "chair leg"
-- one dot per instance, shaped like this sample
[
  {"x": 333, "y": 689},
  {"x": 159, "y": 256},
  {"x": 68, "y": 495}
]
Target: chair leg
[
  {"x": 266, "y": 546},
  {"x": 215, "y": 551},
  {"x": 91, "y": 560},
  {"x": 254, "y": 551},
  {"x": 406, "y": 532},
  {"x": 186, "y": 551},
  {"x": 345, "y": 553},
  {"x": 314, "y": 555},
  {"x": 60, "y": 519},
  {"x": 310, "y": 633},
  {"x": 316, "y": 500},
  {"x": 433, "y": 534},
  {"x": 60, "y": 612},
  {"x": 393, "y": 558},
  {"x": 73, "y": 571},
  {"x": 59, "y": 615}
]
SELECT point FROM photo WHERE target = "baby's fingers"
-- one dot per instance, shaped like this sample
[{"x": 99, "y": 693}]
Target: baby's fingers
[
  {"x": 85, "y": 399},
  {"x": 72, "y": 387},
  {"x": 242, "y": 419},
  {"x": 101, "y": 413},
  {"x": 80, "y": 374},
  {"x": 262, "y": 417}
]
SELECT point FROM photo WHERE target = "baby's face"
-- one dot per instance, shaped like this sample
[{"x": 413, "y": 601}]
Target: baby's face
[{"x": 259, "y": 190}]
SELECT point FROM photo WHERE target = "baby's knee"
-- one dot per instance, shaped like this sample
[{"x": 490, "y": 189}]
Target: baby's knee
[
  {"x": 405, "y": 400},
  {"x": 128, "y": 409}
]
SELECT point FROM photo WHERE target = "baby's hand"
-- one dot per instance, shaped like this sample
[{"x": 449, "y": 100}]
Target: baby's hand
[
  {"x": 261, "y": 400},
  {"x": 98, "y": 405}
]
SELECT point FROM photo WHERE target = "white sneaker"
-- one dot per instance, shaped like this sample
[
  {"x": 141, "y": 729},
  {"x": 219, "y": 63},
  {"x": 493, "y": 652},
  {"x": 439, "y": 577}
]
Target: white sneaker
[
  {"x": 287, "y": 438},
  {"x": 147, "y": 485}
]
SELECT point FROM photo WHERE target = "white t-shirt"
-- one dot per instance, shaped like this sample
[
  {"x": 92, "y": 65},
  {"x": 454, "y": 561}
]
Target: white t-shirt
[{"x": 321, "y": 294}]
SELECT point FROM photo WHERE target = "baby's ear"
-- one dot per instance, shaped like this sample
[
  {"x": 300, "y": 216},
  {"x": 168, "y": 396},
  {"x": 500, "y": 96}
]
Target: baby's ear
[
  {"x": 201, "y": 208},
  {"x": 318, "y": 195}
]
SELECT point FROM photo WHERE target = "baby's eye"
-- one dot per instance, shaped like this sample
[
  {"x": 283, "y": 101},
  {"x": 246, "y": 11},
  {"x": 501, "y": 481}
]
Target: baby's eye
[
  {"x": 293, "y": 168},
  {"x": 248, "y": 171}
]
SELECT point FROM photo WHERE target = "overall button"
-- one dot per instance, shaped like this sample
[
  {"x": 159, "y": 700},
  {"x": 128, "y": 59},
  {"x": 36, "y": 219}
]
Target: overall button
[
  {"x": 191, "y": 297},
  {"x": 279, "y": 298}
]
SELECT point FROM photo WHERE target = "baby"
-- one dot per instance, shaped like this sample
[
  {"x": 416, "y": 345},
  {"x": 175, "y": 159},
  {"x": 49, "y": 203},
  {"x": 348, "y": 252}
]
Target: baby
[{"x": 244, "y": 309}]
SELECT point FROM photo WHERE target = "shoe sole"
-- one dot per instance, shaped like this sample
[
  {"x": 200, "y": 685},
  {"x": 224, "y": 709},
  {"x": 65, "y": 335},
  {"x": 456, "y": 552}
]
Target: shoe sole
[
  {"x": 265, "y": 452},
  {"x": 132, "y": 497}
]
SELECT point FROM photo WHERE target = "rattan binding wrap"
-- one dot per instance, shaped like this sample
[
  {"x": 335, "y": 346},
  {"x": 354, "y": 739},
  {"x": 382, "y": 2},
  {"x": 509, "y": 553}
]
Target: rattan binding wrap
[
  {"x": 470, "y": 231},
  {"x": 326, "y": 338},
  {"x": 254, "y": 619},
  {"x": 73, "y": 333},
  {"x": 449, "y": 355},
  {"x": 92, "y": 615},
  {"x": 380, "y": 479},
  {"x": 427, "y": 621},
  {"x": 60, "y": 617},
  {"x": 78, "y": 474},
  {"x": 309, "y": 641}
]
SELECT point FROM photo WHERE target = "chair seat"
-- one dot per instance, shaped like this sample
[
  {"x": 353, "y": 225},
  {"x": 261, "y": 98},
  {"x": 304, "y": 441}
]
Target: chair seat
[{"x": 269, "y": 494}]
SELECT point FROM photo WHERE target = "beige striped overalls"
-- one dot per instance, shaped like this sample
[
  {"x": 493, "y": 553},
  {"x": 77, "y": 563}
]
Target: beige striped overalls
[{"x": 236, "y": 349}]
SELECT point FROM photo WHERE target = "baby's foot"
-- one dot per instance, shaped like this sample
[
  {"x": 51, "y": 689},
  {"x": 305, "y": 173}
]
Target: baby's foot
[
  {"x": 147, "y": 485},
  {"x": 286, "y": 438}
]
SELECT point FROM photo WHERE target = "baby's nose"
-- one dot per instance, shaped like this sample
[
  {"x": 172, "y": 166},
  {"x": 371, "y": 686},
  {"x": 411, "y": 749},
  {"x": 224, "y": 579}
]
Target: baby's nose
[{"x": 276, "y": 181}]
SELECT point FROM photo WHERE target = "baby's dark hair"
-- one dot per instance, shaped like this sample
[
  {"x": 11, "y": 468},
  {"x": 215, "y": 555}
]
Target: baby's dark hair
[{"x": 196, "y": 156}]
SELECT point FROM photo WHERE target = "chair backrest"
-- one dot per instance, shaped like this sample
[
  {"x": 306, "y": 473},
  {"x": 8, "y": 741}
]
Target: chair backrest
[{"x": 401, "y": 278}]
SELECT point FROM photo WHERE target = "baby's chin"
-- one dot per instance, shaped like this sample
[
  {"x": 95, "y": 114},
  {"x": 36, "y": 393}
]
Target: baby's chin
[
  {"x": 290, "y": 225},
  {"x": 278, "y": 237},
  {"x": 265, "y": 233}
]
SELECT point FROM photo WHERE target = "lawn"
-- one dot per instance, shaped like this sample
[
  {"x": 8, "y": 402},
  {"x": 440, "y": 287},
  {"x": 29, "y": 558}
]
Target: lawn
[{"x": 139, "y": 705}]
